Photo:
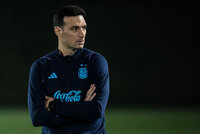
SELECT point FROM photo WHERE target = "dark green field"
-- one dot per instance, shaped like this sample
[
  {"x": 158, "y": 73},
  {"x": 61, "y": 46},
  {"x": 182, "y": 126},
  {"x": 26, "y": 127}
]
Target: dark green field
[{"x": 118, "y": 121}]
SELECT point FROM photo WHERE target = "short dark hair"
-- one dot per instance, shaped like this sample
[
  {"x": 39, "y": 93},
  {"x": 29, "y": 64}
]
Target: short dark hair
[{"x": 67, "y": 10}]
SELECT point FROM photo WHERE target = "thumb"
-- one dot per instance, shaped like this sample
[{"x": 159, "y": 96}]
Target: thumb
[{"x": 46, "y": 97}]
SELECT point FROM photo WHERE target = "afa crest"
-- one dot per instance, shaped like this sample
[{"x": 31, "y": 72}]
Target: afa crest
[{"x": 83, "y": 72}]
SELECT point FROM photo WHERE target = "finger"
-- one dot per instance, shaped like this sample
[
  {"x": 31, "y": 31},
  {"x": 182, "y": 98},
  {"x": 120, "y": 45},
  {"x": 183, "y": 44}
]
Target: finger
[
  {"x": 92, "y": 97},
  {"x": 52, "y": 99},
  {"x": 91, "y": 89},
  {"x": 46, "y": 97},
  {"x": 89, "y": 95},
  {"x": 91, "y": 86},
  {"x": 46, "y": 104},
  {"x": 90, "y": 92}
]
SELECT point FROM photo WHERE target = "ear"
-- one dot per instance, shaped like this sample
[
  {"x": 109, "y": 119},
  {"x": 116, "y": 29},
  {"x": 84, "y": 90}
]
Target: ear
[{"x": 57, "y": 30}]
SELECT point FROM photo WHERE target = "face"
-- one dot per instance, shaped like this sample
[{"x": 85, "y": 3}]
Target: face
[{"x": 72, "y": 34}]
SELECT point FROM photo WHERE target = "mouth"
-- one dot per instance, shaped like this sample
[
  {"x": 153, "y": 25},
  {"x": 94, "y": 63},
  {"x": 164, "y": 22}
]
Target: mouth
[{"x": 81, "y": 41}]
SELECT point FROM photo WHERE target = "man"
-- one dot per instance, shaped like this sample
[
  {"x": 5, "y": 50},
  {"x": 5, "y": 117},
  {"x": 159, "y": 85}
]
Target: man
[{"x": 69, "y": 87}]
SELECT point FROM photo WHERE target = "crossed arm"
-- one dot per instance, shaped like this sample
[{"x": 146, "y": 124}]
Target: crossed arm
[
  {"x": 92, "y": 108},
  {"x": 89, "y": 96}
]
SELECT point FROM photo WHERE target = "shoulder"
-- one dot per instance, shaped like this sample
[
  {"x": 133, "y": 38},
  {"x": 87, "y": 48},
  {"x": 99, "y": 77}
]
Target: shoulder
[
  {"x": 42, "y": 61},
  {"x": 87, "y": 53},
  {"x": 95, "y": 58}
]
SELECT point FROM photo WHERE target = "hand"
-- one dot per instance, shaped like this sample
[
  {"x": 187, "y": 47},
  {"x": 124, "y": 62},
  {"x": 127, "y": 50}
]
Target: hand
[
  {"x": 90, "y": 93},
  {"x": 48, "y": 99}
]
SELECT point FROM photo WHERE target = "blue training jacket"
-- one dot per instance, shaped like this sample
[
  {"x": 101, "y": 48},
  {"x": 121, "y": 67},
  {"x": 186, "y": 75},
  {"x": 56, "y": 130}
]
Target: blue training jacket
[{"x": 68, "y": 79}]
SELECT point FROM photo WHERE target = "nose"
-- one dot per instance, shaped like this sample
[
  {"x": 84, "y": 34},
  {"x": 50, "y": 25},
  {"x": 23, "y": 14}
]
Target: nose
[{"x": 82, "y": 33}]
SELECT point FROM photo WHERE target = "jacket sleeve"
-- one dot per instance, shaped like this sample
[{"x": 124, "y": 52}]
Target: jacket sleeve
[
  {"x": 89, "y": 110},
  {"x": 36, "y": 102}
]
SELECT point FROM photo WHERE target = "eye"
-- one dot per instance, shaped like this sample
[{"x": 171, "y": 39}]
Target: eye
[
  {"x": 84, "y": 27},
  {"x": 75, "y": 28}
]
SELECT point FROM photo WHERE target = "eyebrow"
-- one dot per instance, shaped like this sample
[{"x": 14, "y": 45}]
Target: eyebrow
[{"x": 79, "y": 26}]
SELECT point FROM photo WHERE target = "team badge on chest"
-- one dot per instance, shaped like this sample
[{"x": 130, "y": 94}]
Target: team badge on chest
[{"x": 83, "y": 72}]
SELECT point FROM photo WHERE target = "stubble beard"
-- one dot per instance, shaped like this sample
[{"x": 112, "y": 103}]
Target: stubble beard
[{"x": 74, "y": 48}]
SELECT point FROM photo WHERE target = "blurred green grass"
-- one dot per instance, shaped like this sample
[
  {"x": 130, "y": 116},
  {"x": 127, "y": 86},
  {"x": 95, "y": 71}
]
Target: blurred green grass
[{"x": 118, "y": 121}]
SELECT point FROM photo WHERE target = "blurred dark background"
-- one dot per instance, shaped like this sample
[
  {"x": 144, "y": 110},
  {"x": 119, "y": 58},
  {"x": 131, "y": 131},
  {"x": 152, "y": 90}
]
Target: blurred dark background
[{"x": 151, "y": 47}]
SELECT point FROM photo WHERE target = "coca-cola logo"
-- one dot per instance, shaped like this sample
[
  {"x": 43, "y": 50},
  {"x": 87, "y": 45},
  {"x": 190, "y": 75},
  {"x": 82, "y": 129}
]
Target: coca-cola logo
[{"x": 72, "y": 96}]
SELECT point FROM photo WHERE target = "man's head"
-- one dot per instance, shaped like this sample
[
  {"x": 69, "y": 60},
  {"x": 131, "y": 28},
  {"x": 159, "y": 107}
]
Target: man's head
[{"x": 70, "y": 27}]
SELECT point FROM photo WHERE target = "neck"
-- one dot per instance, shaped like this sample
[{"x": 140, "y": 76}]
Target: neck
[{"x": 65, "y": 51}]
